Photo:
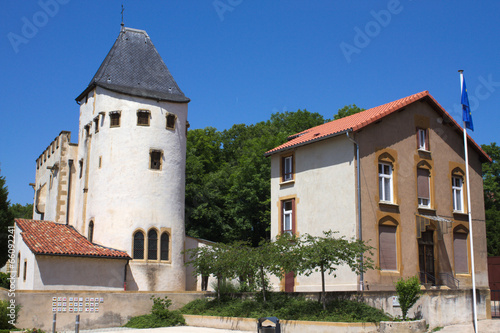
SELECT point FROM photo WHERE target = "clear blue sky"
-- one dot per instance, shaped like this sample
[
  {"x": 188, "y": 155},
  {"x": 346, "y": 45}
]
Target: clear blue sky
[{"x": 240, "y": 61}]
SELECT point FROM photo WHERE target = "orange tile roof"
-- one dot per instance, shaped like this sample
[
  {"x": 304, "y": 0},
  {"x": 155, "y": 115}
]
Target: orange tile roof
[
  {"x": 50, "y": 238},
  {"x": 359, "y": 120}
]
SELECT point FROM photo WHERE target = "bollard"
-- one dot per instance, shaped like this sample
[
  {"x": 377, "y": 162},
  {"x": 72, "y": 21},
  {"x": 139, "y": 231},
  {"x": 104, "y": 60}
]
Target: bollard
[
  {"x": 77, "y": 324},
  {"x": 54, "y": 324}
]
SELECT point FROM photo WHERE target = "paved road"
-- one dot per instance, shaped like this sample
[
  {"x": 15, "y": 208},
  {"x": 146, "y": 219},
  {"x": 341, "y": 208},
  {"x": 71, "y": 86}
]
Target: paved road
[{"x": 484, "y": 326}]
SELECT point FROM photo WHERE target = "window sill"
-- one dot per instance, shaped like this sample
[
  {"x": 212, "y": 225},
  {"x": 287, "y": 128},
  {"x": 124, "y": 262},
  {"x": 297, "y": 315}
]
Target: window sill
[
  {"x": 288, "y": 182},
  {"x": 459, "y": 213},
  {"x": 423, "y": 151},
  {"x": 390, "y": 272},
  {"x": 463, "y": 275},
  {"x": 387, "y": 203},
  {"x": 429, "y": 209}
]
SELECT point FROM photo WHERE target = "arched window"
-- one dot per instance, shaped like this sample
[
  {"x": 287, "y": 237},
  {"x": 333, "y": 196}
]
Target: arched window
[
  {"x": 138, "y": 245},
  {"x": 386, "y": 177},
  {"x": 164, "y": 246},
  {"x": 91, "y": 231},
  {"x": 388, "y": 244},
  {"x": 152, "y": 244},
  {"x": 19, "y": 264}
]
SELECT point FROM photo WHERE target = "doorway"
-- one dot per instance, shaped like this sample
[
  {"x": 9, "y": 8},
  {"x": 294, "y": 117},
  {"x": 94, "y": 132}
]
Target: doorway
[{"x": 426, "y": 257}]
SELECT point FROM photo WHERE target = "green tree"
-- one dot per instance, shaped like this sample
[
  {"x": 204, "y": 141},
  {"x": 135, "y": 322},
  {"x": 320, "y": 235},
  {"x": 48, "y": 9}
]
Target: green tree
[
  {"x": 491, "y": 184},
  {"x": 408, "y": 293},
  {"x": 325, "y": 254},
  {"x": 21, "y": 212},
  {"x": 6, "y": 220},
  {"x": 228, "y": 177},
  {"x": 347, "y": 111}
]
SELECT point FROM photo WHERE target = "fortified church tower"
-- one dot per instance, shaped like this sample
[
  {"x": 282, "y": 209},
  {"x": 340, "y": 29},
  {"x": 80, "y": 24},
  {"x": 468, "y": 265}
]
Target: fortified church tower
[
  {"x": 113, "y": 204},
  {"x": 131, "y": 161}
]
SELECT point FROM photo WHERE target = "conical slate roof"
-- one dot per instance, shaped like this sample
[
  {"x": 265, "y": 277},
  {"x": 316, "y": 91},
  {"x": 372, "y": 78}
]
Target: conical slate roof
[{"x": 134, "y": 67}]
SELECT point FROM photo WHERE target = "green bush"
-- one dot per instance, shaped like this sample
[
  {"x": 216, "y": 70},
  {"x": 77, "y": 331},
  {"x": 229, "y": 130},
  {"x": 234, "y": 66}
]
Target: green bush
[
  {"x": 287, "y": 307},
  {"x": 5, "y": 314},
  {"x": 160, "y": 316},
  {"x": 408, "y": 293},
  {"x": 4, "y": 282}
]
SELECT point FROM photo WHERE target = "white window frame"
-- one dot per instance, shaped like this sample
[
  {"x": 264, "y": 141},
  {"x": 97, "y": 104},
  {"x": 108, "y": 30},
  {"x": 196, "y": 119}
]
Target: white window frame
[
  {"x": 458, "y": 206},
  {"x": 383, "y": 178},
  {"x": 288, "y": 168},
  {"x": 422, "y": 137},
  {"x": 287, "y": 214}
]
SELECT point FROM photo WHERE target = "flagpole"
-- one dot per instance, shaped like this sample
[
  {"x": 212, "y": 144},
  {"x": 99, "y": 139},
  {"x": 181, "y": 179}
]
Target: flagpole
[{"x": 474, "y": 309}]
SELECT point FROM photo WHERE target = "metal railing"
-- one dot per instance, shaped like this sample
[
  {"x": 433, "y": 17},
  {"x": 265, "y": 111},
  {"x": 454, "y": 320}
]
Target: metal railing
[
  {"x": 427, "y": 278},
  {"x": 449, "y": 280}
]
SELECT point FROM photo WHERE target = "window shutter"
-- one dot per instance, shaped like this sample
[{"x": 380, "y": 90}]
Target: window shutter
[
  {"x": 294, "y": 218},
  {"x": 387, "y": 247},
  {"x": 423, "y": 183},
  {"x": 418, "y": 138},
  {"x": 460, "y": 252}
]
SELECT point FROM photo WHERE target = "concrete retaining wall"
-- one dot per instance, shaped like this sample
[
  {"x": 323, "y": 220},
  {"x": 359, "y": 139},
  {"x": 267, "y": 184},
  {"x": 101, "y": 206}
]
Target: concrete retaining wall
[{"x": 115, "y": 309}]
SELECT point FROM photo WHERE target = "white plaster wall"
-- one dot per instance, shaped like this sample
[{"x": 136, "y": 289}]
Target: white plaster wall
[
  {"x": 27, "y": 255},
  {"x": 325, "y": 190},
  {"x": 78, "y": 273},
  {"x": 124, "y": 194}
]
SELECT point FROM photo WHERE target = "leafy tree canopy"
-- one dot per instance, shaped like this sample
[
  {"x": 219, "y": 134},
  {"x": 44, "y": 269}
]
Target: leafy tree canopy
[
  {"x": 347, "y": 111},
  {"x": 491, "y": 183},
  {"x": 6, "y": 220}
]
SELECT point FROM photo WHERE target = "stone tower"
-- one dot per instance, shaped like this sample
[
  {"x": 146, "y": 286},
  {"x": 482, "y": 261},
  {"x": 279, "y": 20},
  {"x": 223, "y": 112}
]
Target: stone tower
[{"x": 130, "y": 165}]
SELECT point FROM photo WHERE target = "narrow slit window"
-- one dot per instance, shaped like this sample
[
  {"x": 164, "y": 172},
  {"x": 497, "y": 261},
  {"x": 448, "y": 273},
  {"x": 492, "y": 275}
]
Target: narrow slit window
[{"x": 96, "y": 124}]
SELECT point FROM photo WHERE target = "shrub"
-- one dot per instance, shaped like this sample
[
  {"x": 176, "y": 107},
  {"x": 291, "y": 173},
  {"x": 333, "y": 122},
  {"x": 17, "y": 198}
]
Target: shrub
[
  {"x": 408, "y": 293},
  {"x": 160, "y": 316},
  {"x": 4, "y": 280},
  {"x": 5, "y": 314}
]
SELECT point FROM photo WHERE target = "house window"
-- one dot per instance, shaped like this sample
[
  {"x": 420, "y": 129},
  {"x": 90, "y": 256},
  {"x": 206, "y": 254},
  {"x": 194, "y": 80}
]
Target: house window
[
  {"x": 87, "y": 130},
  {"x": 385, "y": 182},
  {"x": 423, "y": 139},
  {"x": 155, "y": 157},
  {"x": 138, "y": 252},
  {"x": 143, "y": 118},
  {"x": 152, "y": 244},
  {"x": 114, "y": 119},
  {"x": 80, "y": 162},
  {"x": 457, "y": 189},
  {"x": 287, "y": 168},
  {"x": 171, "y": 118},
  {"x": 25, "y": 269},
  {"x": 423, "y": 188},
  {"x": 96, "y": 124},
  {"x": 164, "y": 246},
  {"x": 460, "y": 252},
  {"x": 91, "y": 231},
  {"x": 288, "y": 217},
  {"x": 387, "y": 247}
]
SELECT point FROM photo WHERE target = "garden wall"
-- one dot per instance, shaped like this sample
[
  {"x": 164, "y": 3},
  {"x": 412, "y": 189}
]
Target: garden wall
[{"x": 114, "y": 308}]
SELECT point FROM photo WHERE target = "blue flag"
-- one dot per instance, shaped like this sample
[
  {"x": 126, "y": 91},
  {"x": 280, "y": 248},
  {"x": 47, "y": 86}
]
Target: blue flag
[{"x": 467, "y": 117}]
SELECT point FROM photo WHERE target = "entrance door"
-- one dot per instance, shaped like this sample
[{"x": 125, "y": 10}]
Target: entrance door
[{"x": 426, "y": 257}]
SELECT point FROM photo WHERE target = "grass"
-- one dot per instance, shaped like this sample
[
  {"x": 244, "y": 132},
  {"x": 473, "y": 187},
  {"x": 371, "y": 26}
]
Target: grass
[{"x": 286, "y": 307}]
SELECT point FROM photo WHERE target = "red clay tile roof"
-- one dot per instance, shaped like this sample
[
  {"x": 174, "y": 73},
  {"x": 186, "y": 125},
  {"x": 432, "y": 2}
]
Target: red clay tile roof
[
  {"x": 359, "y": 120},
  {"x": 50, "y": 238}
]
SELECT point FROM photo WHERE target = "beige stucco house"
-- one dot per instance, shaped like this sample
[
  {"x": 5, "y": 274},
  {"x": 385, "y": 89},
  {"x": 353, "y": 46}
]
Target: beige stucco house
[
  {"x": 394, "y": 177},
  {"x": 109, "y": 209}
]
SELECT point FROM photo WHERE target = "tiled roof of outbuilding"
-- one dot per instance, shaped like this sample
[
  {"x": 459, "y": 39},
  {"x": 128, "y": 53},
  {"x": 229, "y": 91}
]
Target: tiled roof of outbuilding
[
  {"x": 134, "y": 67},
  {"x": 50, "y": 238},
  {"x": 359, "y": 120}
]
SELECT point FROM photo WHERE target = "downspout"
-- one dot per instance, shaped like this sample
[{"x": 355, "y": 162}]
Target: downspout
[
  {"x": 70, "y": 163},
  {"x": 125, "y": 276},
  {"x": 360, "y": 229}
]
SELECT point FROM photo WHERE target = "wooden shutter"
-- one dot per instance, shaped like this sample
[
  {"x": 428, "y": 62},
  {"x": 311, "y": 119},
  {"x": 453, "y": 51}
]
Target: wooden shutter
[
  {"x": 294, "y": 218},
  {"x": 387, "y": 247},
  {"x": 427, "y": 142},
  {"x": 460, "y": 252},
  {"x": 423, "y": 183}
]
